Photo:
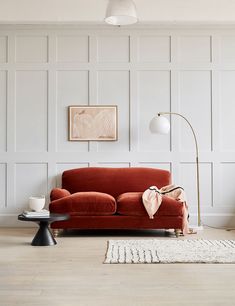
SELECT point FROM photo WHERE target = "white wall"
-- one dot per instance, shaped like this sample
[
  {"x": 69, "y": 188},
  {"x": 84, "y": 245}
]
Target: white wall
[
  {"x": 191, "y": 71},
  {"x": 27, "y": 11}
]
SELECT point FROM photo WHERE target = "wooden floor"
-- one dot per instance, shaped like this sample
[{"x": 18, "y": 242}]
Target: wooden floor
[{"x": 72, "y": 273}]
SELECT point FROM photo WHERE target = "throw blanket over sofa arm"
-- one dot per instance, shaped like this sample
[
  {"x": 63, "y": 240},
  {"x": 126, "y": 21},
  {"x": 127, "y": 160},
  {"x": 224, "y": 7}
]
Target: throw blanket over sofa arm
[{"x": 58, "y": 193}]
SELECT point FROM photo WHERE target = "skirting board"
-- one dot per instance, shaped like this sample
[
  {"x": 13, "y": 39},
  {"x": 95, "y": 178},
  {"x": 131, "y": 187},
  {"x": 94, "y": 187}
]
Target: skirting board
[
  {"x": 223, "y": 220},
  {"x": 11, "y": 220},
  {"x": 215, "y": 220}
]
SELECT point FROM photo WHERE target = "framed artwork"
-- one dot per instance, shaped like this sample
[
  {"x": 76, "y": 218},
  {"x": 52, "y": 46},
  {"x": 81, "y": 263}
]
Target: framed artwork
[{"x": 97, "y": 123}]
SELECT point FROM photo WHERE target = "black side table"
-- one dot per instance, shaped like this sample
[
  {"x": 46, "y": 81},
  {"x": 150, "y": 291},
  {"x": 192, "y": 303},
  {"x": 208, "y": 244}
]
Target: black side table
[{"x": 44, "y": 236}]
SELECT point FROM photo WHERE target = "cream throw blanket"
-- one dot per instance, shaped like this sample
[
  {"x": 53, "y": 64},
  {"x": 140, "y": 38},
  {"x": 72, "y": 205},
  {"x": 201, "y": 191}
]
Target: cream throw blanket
[{"x": 152, "y": 199}]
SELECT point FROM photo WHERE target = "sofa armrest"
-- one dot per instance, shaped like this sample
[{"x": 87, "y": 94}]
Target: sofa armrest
[
  {"x": 59, "y": 193},
  {"x": 60, "y": 206}
]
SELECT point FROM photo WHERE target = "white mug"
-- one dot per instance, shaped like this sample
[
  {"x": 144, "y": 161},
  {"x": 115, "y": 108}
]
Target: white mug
[{"x": 36, "y": 203}]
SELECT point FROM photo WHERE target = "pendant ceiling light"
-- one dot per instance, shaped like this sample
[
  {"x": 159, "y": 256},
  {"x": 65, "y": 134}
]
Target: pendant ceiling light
[{"x": 121, "y": 12}]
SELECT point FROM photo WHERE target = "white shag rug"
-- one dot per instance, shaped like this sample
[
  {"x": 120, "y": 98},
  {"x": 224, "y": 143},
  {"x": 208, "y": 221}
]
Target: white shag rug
[{"x": 170, "y": 251}]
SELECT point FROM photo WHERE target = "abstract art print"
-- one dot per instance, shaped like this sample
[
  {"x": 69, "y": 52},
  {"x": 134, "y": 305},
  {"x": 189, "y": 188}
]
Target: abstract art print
[{"x": 92, "y": 123}]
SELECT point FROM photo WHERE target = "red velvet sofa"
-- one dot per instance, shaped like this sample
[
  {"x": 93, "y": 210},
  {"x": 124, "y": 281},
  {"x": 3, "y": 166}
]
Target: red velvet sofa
[{"x": 111, "y": 198}]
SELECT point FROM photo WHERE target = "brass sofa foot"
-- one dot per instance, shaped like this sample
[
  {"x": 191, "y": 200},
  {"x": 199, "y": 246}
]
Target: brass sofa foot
[
  {"x": 177, "y": 232},
  {"x": 56, "y": 232}
]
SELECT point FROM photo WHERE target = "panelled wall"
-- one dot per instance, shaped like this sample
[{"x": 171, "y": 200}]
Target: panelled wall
[{"x": 142, "y": 71}]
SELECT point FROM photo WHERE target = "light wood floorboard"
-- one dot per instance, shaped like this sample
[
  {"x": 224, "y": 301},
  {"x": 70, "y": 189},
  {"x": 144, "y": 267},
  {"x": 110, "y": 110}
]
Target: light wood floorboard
[{"x": 72, "y": 273}]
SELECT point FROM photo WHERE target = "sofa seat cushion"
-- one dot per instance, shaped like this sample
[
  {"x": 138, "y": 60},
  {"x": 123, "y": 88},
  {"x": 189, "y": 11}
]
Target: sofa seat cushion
[
  {"x": 85, "y": 204},
  {"x": 130, "y": 204}
]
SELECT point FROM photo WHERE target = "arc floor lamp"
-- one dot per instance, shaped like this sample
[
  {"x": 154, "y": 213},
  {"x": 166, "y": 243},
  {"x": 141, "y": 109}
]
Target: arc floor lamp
[
  {"x": 121, "y": 12},
  {"x": 161, "y": 125}
]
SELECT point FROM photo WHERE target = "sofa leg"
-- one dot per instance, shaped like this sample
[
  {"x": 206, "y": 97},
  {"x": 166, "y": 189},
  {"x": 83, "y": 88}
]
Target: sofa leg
[
  {"x": 177, "y": 232},
  {"x": 56, "y": 232}
]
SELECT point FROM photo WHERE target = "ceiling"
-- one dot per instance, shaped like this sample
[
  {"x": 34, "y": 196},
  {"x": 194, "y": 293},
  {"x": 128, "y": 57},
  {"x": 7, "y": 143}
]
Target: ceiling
[{"x": 93, "y": 11}]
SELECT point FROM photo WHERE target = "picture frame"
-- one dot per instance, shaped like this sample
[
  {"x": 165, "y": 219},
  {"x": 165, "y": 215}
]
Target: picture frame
[{"x": 93, "y": 123}]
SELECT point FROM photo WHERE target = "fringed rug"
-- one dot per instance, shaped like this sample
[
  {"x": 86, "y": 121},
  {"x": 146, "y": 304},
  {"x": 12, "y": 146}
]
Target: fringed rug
[{"x": 170, "y": 251}]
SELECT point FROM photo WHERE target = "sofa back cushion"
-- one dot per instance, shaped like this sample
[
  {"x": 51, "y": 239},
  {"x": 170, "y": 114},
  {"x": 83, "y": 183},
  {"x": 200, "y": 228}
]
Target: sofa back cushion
[{"x": 114, "y": 181}]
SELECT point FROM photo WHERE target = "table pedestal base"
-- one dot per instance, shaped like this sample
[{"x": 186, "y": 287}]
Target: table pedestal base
[{"x": 44, "y": 236}]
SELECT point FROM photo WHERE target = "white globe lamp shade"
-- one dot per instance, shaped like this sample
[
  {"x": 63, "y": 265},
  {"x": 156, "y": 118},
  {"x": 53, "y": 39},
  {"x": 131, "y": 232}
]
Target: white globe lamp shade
[
  {"x": 159, "y": 125},
  {"x": 121, "y": 12}
]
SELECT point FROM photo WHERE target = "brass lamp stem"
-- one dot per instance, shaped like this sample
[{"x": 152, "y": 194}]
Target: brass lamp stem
[{"x": 197, "y": 162}]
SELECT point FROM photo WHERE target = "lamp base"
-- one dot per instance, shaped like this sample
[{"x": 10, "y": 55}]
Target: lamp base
[{"x": 196, "y": 228}]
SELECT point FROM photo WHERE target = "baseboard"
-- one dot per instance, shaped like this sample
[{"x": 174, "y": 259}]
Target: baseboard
[
  {"x": 214, "y": 220},
  {"x": 11, "y": 220}
]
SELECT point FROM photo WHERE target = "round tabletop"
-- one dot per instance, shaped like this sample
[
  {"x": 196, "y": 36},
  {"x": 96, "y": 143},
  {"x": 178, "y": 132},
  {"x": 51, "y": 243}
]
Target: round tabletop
[{"x": 51, "y": 218}]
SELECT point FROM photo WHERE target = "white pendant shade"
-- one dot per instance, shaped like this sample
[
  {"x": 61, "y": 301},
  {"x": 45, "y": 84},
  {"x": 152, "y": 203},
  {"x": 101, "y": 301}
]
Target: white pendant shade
[
  {"x": 121, "y": 12},
  {"x": 160, "y": 125}
]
